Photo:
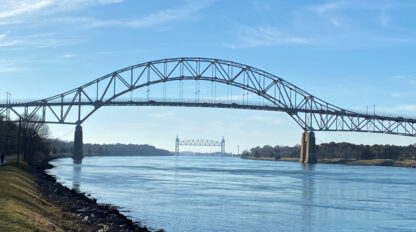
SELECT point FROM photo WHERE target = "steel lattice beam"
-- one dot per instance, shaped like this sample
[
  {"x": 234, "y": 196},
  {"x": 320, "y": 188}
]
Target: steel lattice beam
[
  {"x": 200, "y": 142},
  {"x": 309, "y": 112}
]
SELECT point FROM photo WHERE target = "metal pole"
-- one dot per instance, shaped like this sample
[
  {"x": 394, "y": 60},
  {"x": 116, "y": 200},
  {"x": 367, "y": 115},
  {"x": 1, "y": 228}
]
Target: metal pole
[
  {"x": 18, "y": 143},
  {"x": 8, "y": 95}
]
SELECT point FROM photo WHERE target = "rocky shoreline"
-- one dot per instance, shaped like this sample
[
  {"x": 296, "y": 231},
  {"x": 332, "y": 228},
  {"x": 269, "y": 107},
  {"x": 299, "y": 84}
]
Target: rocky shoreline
[{"x": 85, "y": 211}]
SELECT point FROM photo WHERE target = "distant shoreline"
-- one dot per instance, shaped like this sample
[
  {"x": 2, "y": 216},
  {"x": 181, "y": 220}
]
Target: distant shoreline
[
  {"x": 65, "y": 155},
  {"x": 373, "y": 162}
]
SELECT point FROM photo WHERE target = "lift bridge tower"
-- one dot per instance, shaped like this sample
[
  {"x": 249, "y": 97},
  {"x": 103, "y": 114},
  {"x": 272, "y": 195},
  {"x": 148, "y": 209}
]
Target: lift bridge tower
[{"x": 199, "y": 142}]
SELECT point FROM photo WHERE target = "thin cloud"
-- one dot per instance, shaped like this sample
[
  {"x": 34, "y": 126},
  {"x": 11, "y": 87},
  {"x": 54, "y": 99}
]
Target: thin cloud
[
  {"x": 112, "y": 52},
  {"x": 163, "y": 16},
  {"x": 22, "y": 11},
  {"x": 404, "y": 79},
  {"x": 7, "y": 43},
  {"x": 46, "y": 40},
  {"x": 17, "y": 8},
  {"x": 265, "y": 36},
  {"x": 6, "y": 66},
  {"x": 400, "y": 77},
  {"x": 336, "y": 23},
  {"x": 67, "y": 56},
  {"x": 399, "y": 94},
  {"x": 261, "y": 6},
  {"x": 4, "y": 69},
  {"x": 330, "y": 6},
  {"x": 385, "y": 19}
]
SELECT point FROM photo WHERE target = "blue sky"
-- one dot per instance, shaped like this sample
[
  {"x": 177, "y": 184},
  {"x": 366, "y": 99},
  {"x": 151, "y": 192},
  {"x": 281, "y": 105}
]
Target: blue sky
[{"x": 350, "y": 53}]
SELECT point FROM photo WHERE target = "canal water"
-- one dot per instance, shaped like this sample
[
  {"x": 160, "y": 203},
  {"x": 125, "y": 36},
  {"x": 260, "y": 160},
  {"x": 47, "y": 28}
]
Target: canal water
[{"x": 230, "y": 194}]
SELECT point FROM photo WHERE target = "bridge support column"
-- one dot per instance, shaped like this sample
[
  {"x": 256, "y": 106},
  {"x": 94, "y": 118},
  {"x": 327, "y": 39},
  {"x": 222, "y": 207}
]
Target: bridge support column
[
  {"x": 77, "y": 150},
  {"x": 307, "y": 148}
]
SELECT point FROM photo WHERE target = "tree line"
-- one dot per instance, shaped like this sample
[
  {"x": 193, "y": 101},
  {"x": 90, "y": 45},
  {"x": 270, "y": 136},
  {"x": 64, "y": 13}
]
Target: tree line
[
  {"x": 59, "y": 146},
  {"x": 30, "y": 140},
  {"x": 338, "y": 150},
  {"x": 34, "y": 144}
]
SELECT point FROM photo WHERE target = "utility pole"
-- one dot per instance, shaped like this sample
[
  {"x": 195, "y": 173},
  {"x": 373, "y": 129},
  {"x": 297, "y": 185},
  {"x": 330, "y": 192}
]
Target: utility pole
[
  {"x": 7, "y": 97},
  {"x": 18, "y": 143}
]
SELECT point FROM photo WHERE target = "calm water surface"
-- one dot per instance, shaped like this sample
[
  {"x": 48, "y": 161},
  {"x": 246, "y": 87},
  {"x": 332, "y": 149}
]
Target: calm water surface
[{"x": 230, "y": 194}]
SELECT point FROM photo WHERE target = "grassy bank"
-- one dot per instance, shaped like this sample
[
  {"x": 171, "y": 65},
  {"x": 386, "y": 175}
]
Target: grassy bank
[
  {"x": 31, "y": 200},
  {"x": 24, "y": 208},
  {"x": 373, "y": 162}
]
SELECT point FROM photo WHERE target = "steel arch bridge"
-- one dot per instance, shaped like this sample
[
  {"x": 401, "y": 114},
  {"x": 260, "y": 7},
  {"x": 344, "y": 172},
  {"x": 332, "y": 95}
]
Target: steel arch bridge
[{"x": 309, "y": 112}]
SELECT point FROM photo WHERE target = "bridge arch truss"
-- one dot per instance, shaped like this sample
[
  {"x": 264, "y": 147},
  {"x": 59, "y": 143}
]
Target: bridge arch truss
[{"x": 309, "y": 112}]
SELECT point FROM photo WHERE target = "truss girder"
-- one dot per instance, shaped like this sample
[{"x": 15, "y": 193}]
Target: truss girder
[
  {"x": 309, "y": 112},
  {"x": 200, "y": 142}
]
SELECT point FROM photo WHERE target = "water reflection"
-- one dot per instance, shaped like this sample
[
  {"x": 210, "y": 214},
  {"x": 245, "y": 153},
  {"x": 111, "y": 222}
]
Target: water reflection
[
  {"x": 77, "y": 161},
  {"x": 76, "y": 175},
  {"x": 308, "y": 171}
]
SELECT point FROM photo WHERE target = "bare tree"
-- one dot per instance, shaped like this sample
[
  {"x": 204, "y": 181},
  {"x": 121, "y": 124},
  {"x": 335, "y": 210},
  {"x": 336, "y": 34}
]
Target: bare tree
[
  {"x": 34, "y": 132},
  {"x": 34, "y": 126}
]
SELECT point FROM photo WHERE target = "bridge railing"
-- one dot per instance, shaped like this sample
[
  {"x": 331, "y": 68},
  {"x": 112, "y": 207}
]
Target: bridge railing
[
  {"x": 152, "y": 99},
  {"x": 218, "y": 100},
  {"x": 385, "y": 114}
]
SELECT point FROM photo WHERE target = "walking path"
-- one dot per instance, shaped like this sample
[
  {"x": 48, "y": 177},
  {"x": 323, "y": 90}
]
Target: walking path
[{"x": 9, "y": 157}]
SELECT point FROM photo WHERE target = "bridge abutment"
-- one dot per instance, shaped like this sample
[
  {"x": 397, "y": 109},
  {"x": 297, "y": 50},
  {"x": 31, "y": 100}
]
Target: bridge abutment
[
  {"x": 77, "y": 150},
  {"x": 307, "y": 148}
]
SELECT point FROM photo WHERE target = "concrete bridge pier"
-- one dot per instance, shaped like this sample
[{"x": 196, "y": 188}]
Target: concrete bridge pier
[
  {"x": 77, "y": 150},
  {"x": 307, "y": 148}
]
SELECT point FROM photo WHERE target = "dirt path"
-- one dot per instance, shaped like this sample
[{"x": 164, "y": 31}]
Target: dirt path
[{"x": 10, "y": 157}]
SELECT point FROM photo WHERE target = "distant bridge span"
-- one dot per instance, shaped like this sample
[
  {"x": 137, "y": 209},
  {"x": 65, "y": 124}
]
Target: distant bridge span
[
  {"x": 199, "y": 142},
  {"x": 309, "y": 112}
]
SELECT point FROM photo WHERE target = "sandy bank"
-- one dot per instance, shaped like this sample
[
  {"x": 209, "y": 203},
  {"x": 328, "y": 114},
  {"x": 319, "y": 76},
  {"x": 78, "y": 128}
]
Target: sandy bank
[{"x": 373, "y": 162}]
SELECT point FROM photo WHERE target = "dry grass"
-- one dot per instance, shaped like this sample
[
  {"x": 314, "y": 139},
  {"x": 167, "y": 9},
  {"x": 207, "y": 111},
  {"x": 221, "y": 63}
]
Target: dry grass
[
  {"x": 22, "y": 206},
  {"x": 405, "y": 163},
  {"x": 291, "y": 159}
]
